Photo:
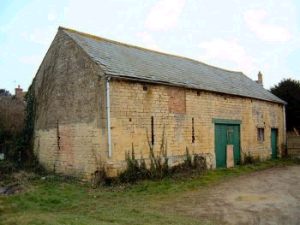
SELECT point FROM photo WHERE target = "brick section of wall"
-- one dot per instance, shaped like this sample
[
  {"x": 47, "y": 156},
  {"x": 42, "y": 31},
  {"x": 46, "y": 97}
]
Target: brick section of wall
[
  {"x": 132, "y": 108},
  {"x": 77, "y": 152},
  {"x": 177, "y": 100}
]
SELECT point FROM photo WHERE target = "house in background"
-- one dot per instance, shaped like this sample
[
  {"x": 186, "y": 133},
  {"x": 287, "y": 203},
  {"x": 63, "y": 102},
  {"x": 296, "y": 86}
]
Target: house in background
[
  {"x": 97, "y": 99},
  {"x": 19, "y": 93}
]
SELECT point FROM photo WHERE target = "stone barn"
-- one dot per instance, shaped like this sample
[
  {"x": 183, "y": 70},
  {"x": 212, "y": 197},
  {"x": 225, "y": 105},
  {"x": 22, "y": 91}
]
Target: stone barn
[{"x": 97, "y": 99}]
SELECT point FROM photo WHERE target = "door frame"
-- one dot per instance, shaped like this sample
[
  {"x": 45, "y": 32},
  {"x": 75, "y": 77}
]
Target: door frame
[{"x": 228, "y": 122}]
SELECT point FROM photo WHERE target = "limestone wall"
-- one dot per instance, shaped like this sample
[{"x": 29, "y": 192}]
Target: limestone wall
[
  {"x": 70, "y": 126},
  {"x": 173, "y": 109}
]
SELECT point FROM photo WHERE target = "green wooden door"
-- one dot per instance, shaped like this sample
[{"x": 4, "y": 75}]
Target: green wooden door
[
  {"x": 274, "y": 143},
  {"x": 220, "y": 145},
  {"x": 226, "y": 134}
]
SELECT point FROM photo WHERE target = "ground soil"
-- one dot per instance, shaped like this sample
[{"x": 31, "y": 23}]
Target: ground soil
[{"x": 266, "y": 197}]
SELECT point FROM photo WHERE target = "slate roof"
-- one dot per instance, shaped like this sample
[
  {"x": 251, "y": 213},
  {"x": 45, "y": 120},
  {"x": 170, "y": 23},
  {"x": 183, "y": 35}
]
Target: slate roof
[{"x": 131, "y": 62}]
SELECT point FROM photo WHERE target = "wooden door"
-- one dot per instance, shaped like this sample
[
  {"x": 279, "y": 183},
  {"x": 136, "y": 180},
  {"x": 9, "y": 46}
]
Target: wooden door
[
  {"x": 227, "y": 134},
  {"x": 274, "y": 133}
]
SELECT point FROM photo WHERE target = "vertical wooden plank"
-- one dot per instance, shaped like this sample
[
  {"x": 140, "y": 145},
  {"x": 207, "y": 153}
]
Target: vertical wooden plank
[
  {"x": 220, "y": 145},
  {"x": 274, "y": 143}
]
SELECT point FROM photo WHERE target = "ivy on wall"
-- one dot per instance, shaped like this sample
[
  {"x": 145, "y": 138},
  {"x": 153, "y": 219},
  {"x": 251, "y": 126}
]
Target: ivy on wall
[{"x": 26, "y": 141}]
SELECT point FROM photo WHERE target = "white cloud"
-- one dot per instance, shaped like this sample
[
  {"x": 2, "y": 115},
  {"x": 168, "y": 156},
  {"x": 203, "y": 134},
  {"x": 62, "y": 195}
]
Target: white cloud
[
  {"x": 255, "y": 20},
  {"x": 227, "y": 52},
  {"x": 164, "y": 15},
  {"x": 148, "y": 40}
]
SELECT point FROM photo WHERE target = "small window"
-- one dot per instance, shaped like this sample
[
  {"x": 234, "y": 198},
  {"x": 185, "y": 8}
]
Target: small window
[{"x": 260, "y": 134}]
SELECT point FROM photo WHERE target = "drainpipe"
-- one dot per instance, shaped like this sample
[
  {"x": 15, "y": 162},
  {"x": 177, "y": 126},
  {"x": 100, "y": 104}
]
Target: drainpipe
[{"x": 108, "y": 118}]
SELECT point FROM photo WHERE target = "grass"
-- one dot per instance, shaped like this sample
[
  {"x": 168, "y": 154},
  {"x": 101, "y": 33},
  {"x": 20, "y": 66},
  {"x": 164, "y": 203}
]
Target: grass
[{"x": 63, "y": 201}]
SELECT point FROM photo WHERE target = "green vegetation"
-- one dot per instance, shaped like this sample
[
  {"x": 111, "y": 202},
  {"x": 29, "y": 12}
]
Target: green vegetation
[
  {"x": 11, "y": 124},
  {"x": 159, "y": 168},
  {"x": 16, "y": 131},
  {"x": 249, "y": 159},
  {"x": 26, "y": 140},
  {"x": 58, "y": 200}
]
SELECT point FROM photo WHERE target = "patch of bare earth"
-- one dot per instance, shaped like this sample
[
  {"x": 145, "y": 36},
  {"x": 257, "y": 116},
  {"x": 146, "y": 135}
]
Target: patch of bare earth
[{"x": 266, "y": 197}]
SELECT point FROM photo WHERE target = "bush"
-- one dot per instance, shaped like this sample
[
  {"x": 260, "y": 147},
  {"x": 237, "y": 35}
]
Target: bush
[
  {"x": 188, "y": 161},
  {"x": 12, "y": 113},
  {"x": 99, "y": 177},
  {"x": 6, "y": 168},
  {"x": 17, "y": 128},
  {"x": 199, "y": 163},
  {"x": 249, "y": 159},
  {"x": 135, "y": 170}
]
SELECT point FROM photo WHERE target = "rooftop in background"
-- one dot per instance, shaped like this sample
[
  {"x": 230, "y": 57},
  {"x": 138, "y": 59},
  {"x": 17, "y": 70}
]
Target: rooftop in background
[
  {"x": 19, "y": 93},
  {"x": 131, "y": 62}
]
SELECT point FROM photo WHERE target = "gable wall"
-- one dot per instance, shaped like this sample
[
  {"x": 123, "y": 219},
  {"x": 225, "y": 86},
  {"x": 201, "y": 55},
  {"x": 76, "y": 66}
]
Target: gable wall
[
  {"x": 132, "y": 109},
  {"x": 70, "y": 126}
]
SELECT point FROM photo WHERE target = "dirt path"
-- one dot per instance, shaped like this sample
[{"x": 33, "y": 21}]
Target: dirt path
[{"x": 266, "y": 197}]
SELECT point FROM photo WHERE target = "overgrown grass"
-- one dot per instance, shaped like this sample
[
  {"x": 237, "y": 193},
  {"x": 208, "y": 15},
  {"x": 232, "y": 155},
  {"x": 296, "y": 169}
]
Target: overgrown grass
[{"x": 55, "y": 200}]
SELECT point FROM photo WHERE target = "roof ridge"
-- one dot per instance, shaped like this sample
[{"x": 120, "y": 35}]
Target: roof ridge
[{"x": 140, "y": 48}]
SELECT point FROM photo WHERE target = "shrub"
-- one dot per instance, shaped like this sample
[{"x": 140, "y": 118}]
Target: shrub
[
  {"x": 188, "y": 161},
  {"x": 17, "y": 128},
  {"x": 6, "y": 168},
  {"x": 159, "y": 167},
  {"x": 249, "y": 159},
  {"x": 199, "y": 163},
  {"x": 165, "y": 167},
  {"x": 134, "y": 170},
  {"x": 99, "y": 177},
  {"x": 143, "y": 169}
]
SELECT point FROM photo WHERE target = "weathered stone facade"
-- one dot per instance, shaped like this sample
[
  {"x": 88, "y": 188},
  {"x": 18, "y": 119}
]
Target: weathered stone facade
[
  {"x": 132, "y": 108},
  {"x": 71, "y": 125}
]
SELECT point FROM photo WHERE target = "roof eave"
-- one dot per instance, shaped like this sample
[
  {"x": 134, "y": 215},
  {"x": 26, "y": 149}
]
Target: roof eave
[{"x": 136, "y": 79}]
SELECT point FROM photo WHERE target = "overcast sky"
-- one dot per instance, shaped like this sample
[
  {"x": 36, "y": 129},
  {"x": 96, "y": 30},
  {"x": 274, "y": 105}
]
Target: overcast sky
[{"x": 247, "y": 36}]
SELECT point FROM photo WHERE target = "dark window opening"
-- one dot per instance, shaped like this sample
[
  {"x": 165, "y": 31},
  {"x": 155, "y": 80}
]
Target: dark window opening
[
  {"x": 145, "y": 88},
  {"x": 152, "y": 130},
  {"x": 260, "y": 134}
]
